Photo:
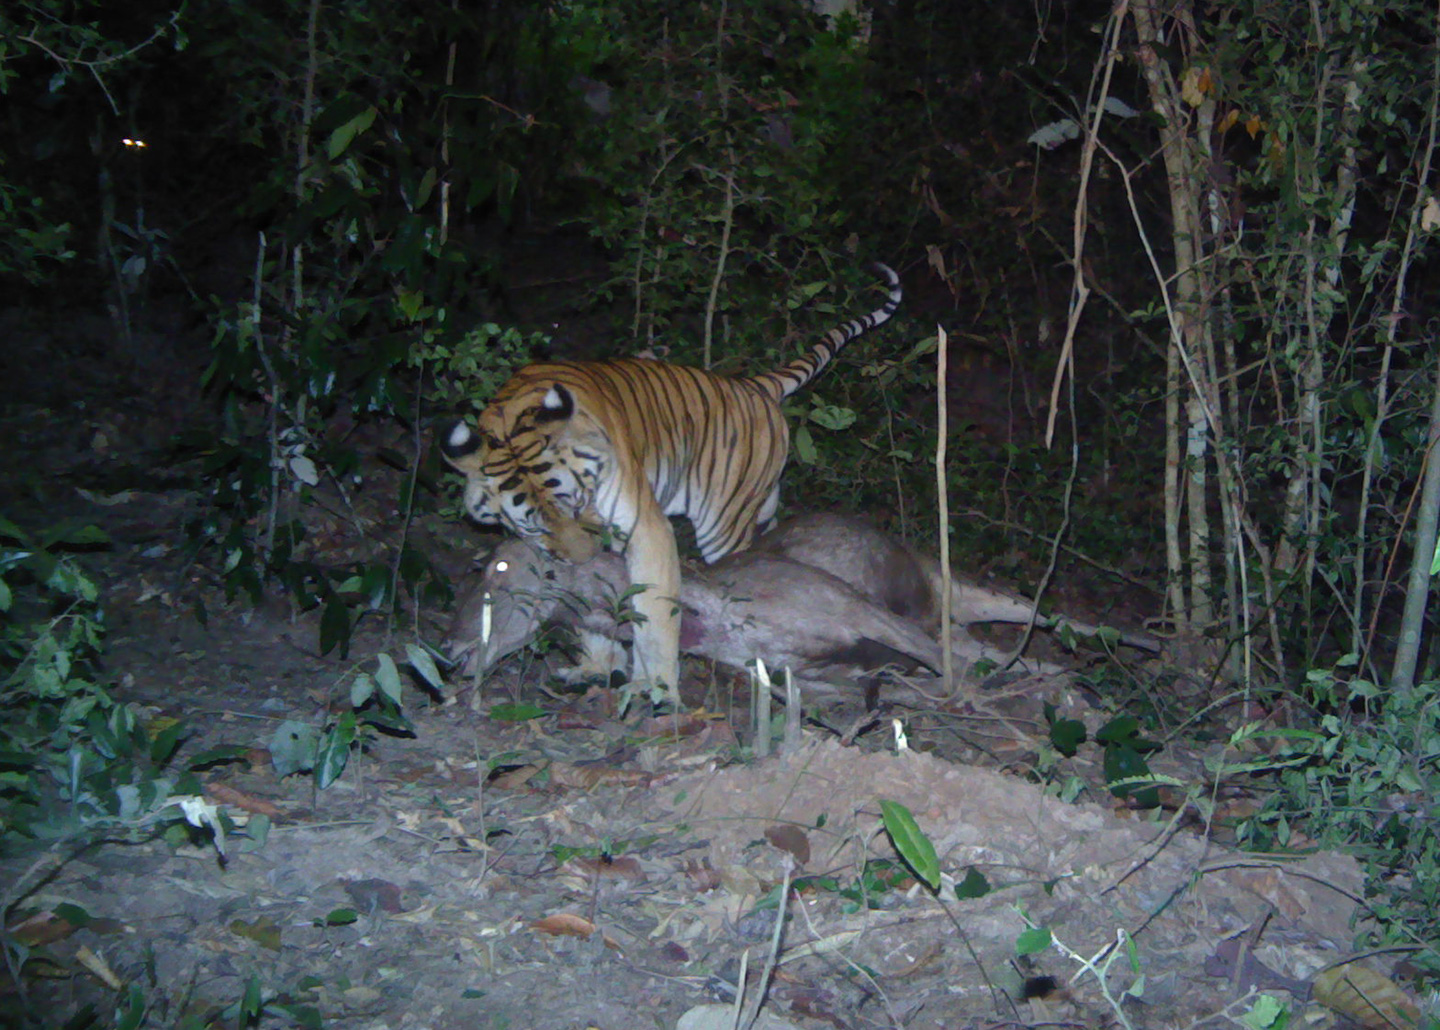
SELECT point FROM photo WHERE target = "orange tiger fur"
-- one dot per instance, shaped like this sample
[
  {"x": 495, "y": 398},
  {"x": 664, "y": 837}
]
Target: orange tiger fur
[{"x": 569, "y": 452}]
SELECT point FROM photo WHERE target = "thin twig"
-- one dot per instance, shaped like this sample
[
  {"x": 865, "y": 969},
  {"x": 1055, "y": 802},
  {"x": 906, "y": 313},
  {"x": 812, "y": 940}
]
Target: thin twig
[{"x": 942, "y": 494}]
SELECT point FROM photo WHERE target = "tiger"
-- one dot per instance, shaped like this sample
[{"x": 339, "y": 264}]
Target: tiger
[{"x": 577, "y": 455}]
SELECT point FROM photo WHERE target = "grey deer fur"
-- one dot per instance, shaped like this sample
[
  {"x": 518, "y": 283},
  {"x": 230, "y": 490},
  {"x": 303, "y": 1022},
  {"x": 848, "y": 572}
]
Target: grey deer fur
[
  {"x": 905, "y": 581},
  {"x": 781, "y": 601}
]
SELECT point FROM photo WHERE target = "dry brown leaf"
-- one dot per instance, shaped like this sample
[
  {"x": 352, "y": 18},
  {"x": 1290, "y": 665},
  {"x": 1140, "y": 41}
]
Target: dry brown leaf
[
  {"x": 263, "y": 931},
  {"x": 588, "y": 776},
  {"x": 789, "y": 837},
  {"x": 512, "y": 779},
  {"x": 680, "y": 724},
  {"x": 227, "y": 795},
  {"x": 423, "y": 914},
  {"x": 625, "y": 867},
  {"x": 370, "y": 894},
  {"x": 823, "y": 946},
  {"x": 1371, "y": 999},
  {"x": 702, "y": 875},
  {"x": 927, "y": 958},
  {"x": 40, "y": 929},
  {"x": 563, "y": 924}
]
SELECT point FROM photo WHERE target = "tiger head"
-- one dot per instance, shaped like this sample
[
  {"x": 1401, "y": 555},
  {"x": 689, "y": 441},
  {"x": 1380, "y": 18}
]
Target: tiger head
[{"x": 521, "y": 472}]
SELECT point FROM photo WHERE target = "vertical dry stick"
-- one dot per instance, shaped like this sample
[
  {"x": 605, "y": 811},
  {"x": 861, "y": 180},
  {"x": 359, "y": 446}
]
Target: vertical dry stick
[
  {"x": 763, "y": 986},
  {"x": 727, "y": 218},
  {"x": 727, "y": 213},
  {"x": 445, "y": 137},
  {"x": 1081, "y": 217},
  {"x": 943, "y": 499},
  {"x": 267, "y": 542},
  {"x": 760, "y": 707},
  {"x": 302, "y": 150}
]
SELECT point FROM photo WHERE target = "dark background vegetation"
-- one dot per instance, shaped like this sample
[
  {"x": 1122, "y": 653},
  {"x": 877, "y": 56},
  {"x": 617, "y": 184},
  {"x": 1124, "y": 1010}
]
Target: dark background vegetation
[{"x": 349, "y": 222}]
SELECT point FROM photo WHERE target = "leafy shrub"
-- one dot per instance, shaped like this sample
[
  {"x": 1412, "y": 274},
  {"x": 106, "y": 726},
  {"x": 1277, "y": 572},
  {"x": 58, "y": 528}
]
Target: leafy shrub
[
  {"x": 76, "y": 766},
  {"x": 1366, "y": 781}
]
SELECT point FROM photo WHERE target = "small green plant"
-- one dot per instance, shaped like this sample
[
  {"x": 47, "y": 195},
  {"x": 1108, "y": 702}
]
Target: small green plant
[
  {"x": 878, "y": 877},
  {"x": 1127, "y": 773},
  {"x": 76, "y": 766},
  {"x": 1100, "y": 965},
  {"x": 376, "y": 706}
]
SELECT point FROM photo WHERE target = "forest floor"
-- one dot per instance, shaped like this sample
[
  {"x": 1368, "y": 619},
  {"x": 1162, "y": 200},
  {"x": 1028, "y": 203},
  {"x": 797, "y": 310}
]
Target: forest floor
[{"x": 587, "y": 869}]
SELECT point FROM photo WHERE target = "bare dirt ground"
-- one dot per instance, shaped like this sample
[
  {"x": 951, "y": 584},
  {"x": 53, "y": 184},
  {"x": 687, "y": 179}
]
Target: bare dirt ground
[{"x": 583, "y": 869}]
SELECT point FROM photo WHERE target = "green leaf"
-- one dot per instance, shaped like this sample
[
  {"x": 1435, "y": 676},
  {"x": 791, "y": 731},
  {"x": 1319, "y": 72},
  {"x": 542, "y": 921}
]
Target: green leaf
[
  {"x": 334, "y": 752},
  {"x": 165, "y": 742},
  {"x": 1032, "y": 941},
  {"x": 132, "y": 1010},
  {"x": 375, "y": 586},
  {"x": 1066, "y": 735},
  {"x": 427, "y": 184},
  {"x": 973, "y": 886},
  {"x": 10, "y": 531},
  {"x": 335, "y": 627},
  {"x": 216, "y": 755},
  {"x": 257, "y": 832},
  {"x": 343, "y": 136},
  {"x": 252, "y": 1004},
  {"x": 910, "y": 841},
  {"x": 1267, "y": 1013},
  {"x": 1125, "y": 763},
  {"x": 422, "y": 663},
  {"x": 293, "y": 746},
  {"x": 72, "y": 914},
  {"x": 388, "y": 677},
  {"x": 832, "y": 416},
  {"x": 507, "y": 712},
  {"x": 362, "y": 689},
  {"x": 76, "y": 536},
  {"x": 804, "y": 446}
]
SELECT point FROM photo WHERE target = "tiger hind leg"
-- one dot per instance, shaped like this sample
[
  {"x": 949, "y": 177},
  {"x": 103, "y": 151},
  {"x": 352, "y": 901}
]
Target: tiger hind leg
[{"x": 765, "y": 518}]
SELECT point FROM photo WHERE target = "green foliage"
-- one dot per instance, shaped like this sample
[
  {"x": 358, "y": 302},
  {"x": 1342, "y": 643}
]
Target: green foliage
[
  {"x": 911, "y": 842},
  {"x": 879, "y": 877},
  {"x": 1127, "y": 773},
  {"x": 76, "y": 766},
  {"x": 1313, "y": 150},
  {"x": 1365, "y": 782},
  {"x": 376, "y": 706},
  {"x": 1267, "y": 1013},
  {"x": 369, "y": 282},
  {"x": 709, "y": 162}
]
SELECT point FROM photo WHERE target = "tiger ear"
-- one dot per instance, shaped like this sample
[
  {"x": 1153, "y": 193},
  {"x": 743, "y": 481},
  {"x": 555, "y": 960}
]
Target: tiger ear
[
  {"x": 557, "y": 405},
  {"x": 460, "y": 447}
]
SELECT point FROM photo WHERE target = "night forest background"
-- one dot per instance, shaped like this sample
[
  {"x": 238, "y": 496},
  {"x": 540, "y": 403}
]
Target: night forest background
[{"x": 1181, "y": 256}]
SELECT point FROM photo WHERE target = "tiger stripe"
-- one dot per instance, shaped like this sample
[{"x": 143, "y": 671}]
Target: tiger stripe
[{"x": 568, "y": 450}]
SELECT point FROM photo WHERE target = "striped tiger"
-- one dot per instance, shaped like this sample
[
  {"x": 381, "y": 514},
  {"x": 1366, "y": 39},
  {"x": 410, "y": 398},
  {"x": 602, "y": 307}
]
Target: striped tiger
[{"x": 576, "y": 454}]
